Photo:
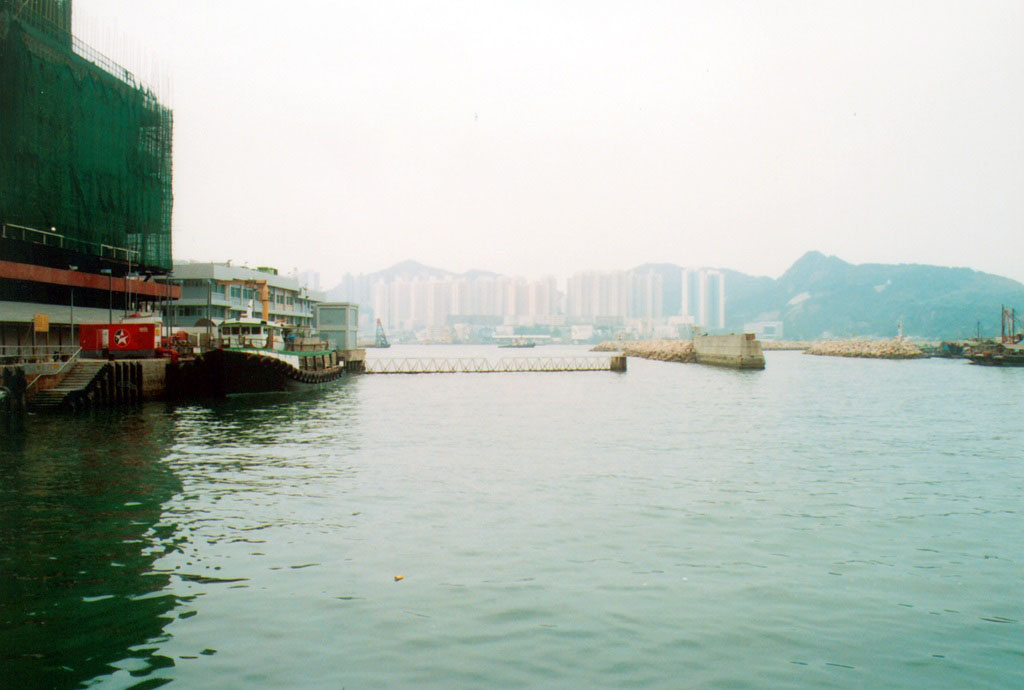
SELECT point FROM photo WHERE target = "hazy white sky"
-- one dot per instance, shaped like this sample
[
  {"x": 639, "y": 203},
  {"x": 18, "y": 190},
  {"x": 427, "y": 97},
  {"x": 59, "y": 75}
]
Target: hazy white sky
[{"x": 549, "y": 137}]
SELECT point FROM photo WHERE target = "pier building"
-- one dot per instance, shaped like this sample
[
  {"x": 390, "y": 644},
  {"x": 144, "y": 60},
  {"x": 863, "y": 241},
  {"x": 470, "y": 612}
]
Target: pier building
[
  {"x": 338, "y": 323},
  {"x": 85, "y": 183},
  {"x": 212, "y": 292}
]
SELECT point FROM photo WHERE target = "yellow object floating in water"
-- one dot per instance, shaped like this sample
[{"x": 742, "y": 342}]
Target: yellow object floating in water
[{"x": 399, "y": 577}]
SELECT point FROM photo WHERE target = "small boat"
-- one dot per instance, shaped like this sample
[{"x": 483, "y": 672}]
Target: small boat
[
  {"x": 1008, "y": 351},
  {"x": 947, "y": 349},
  {"x": 254, "y": 356},
  {"x": 950, "y": 349},
  {"x": 519, "y": 342}
]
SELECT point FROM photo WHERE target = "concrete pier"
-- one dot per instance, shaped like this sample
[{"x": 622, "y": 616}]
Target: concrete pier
[
  {"x": 92, "y": 383},
  {"x": 740, "y": 351},
  {"x": 736, "y": 350}
]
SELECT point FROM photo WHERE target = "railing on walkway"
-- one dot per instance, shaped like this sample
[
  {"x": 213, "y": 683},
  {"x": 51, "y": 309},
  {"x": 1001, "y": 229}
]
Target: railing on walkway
[
  {"x": 51, "y": 238},
  {"x": 479, "y": 365},
  {"x": 32, "y": 354},
  {"x": 66, "y": 366}
]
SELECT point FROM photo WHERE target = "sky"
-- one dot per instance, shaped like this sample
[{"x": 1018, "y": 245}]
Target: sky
[{"x": 550, "y": 137}]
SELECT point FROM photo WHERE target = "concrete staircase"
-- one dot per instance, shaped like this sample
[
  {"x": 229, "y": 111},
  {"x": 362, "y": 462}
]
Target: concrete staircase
[{"x": 80, "y": 376}]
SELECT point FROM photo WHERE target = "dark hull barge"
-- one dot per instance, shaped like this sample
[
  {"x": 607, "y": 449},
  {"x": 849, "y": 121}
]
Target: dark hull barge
[{"x": 234, "y": 372}]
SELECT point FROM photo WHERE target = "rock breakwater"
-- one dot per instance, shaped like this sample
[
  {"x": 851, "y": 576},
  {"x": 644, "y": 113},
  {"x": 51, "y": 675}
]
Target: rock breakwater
[
  {"x": 877, "y": 349},
  {"x": 663, "y": 350},
  {"x": 778, "y": 345}
]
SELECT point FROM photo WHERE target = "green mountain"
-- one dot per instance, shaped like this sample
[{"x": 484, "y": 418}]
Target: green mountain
[
  {"x": 818, "y": 297},
  {"x": 823, "y": 296}
]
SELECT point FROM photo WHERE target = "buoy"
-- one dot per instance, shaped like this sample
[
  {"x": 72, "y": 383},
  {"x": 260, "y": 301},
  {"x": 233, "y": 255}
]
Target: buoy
[{"x": 399, "y": 578}]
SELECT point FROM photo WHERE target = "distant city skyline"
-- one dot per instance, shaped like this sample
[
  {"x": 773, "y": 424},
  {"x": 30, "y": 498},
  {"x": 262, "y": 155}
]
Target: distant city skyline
[{"x": 411, "y": 300}]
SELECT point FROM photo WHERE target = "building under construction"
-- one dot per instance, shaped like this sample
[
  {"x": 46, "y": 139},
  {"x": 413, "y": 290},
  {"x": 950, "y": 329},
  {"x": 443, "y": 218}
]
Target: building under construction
[{"x": 85, "y": 182}]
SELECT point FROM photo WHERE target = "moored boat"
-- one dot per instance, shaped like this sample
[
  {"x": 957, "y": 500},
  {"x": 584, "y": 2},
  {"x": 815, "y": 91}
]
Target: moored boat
[
  {"x": 996, "y": 355},
  {"x": 1008, "y": 351},
  {"x": 253, "y": 356}
]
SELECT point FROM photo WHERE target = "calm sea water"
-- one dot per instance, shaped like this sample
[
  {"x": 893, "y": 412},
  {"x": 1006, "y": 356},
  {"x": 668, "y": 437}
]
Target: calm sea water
[{"x": 822, "y": 523}]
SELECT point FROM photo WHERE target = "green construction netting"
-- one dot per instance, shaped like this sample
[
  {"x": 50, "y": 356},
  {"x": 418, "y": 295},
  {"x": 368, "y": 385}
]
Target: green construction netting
[{"x": 82, "y": 151}]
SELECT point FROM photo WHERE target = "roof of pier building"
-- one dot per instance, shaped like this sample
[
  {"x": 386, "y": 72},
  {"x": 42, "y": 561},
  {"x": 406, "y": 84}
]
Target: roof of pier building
[{"x": 226, "y": 272}]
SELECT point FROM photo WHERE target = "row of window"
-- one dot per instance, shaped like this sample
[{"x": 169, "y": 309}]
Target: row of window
[
  {"x": 248, "y": 293},
  {"x": 242, "y": 330},
  {"x": 288, "y": 320},
  {"x": 239, "y": 292},
  {"x": 216, "y": 312}
]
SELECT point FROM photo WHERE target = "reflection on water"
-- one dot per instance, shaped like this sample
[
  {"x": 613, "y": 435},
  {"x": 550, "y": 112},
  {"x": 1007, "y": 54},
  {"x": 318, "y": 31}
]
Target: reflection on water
[
  {"x": 80, "y": 527},
  {"x": 98, "y": 545}
]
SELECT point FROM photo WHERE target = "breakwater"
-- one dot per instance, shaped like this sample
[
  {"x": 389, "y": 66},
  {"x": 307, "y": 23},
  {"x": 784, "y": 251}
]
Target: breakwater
[
  {"x": 663, "y": 350},
  {"x": 784, "y": 345},
  {"x": 740, "y": 351},
  {"x": 875, "y": 349},
  {"x": 737, "y": 350}
]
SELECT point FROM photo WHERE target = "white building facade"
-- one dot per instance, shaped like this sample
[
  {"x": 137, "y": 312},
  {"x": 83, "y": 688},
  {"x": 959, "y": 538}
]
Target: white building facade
[{"x": 215, "y": 291}]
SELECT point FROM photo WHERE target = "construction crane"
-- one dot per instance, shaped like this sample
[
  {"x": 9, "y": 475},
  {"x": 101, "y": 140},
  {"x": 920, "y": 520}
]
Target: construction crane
[
  {"x": 261, "y": 287},
  {"x": 382, "y": 338}
]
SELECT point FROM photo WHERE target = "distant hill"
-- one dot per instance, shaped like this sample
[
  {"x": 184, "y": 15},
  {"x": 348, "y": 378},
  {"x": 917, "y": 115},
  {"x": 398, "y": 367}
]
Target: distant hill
[
  {"x": 818, "y": 297},
  {"x": 824, "y": 296}
]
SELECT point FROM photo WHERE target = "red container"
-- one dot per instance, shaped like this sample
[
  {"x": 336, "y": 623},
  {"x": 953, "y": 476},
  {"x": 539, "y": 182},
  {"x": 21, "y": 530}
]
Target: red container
[{"x": 119, "y": 339}]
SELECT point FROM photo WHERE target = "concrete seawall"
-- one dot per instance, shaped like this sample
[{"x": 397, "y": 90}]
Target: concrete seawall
[{"x": 740, "y": 351}]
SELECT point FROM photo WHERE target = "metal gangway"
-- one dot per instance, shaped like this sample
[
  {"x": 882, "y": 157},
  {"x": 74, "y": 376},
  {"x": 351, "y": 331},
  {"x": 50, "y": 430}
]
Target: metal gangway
[{"x": 482, "y": 365}]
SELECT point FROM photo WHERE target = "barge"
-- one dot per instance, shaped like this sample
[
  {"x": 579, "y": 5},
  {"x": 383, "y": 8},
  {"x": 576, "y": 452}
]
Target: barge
[{"x": 253, "y": 356}]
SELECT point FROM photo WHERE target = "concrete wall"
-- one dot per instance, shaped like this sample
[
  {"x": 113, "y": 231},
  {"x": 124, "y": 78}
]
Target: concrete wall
[
  {"x": 740, "y": 350},
  {"x": 154, "y": 378},
  {"x": 33, "y": 368},
  {"x": 46, "y": 371}
]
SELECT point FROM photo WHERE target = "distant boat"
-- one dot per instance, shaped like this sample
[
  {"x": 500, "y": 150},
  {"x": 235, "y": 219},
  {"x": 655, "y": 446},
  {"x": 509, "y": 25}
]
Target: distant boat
[
  {"x": 946, "y": 350},
  {"x": 519, "y": 342},
  {"x": 1007, "y": 352}
]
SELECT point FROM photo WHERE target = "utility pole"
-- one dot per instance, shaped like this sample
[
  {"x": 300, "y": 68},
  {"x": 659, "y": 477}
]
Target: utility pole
[
  {"x": 72, "y": 268},
  {"x": 110, "y": 294},
  {"x": 209, "y": 306}
]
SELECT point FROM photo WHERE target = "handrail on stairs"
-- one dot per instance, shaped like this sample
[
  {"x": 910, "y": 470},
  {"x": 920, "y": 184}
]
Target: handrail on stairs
[{"x": 68, "y": 363}]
